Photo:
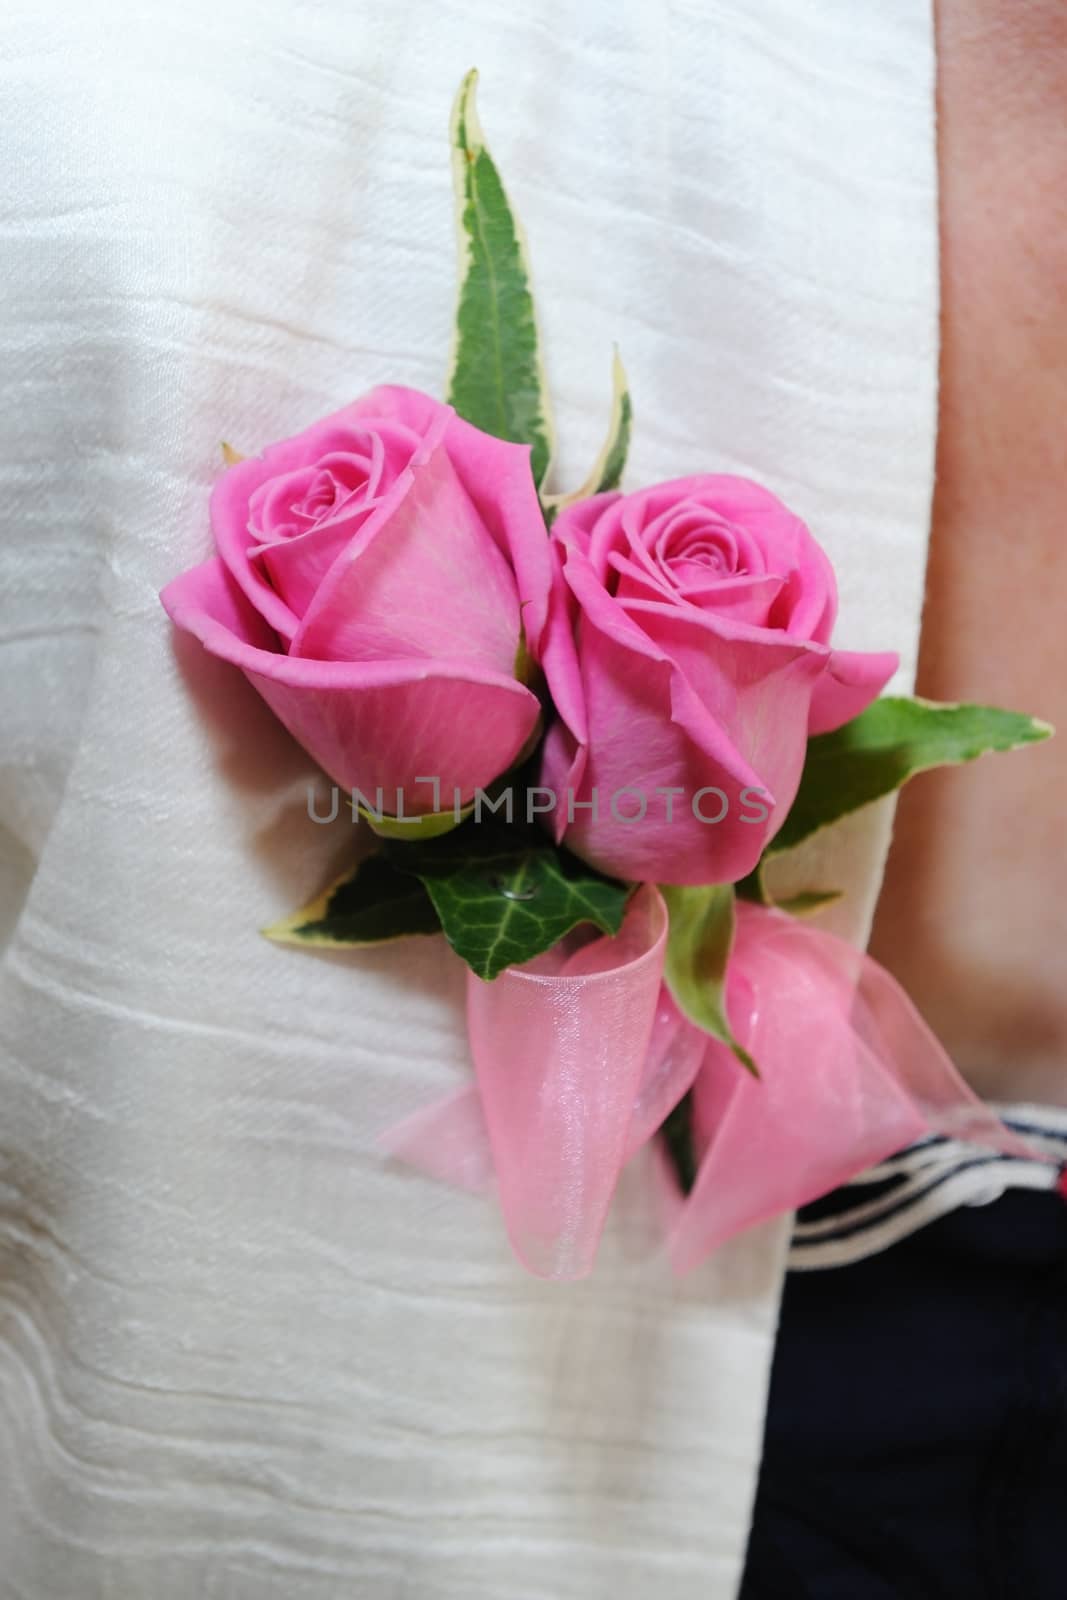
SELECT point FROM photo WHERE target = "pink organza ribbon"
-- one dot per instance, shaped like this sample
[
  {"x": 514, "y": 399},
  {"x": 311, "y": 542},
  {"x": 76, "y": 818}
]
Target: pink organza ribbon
[
  {"x": 559, "y": 1049},
  {"x": 580, "y": 1055}
]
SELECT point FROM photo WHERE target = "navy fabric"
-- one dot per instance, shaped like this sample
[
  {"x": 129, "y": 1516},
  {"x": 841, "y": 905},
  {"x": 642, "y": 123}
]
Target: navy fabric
[{"x": 916, "y": 1440}]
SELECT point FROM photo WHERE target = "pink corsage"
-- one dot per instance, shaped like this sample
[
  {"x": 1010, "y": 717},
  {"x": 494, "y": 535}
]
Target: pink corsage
[{"x": 578, "y": 726}]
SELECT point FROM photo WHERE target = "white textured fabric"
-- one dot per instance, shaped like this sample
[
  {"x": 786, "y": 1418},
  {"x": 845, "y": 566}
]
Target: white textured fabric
[{"x": 240, "y": 1355}]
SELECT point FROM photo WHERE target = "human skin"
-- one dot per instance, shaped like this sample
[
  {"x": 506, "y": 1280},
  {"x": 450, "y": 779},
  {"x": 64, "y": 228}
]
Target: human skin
[{"x": 973, "y": 917}]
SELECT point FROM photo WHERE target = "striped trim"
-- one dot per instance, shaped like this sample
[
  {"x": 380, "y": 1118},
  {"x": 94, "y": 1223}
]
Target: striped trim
[{"x": 920, "y": 1184}]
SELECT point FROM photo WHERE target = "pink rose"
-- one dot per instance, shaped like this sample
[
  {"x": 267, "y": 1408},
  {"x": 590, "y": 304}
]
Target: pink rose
[
  {"x": 374, "y": 578},
  {"x": 688, "y": 650}
]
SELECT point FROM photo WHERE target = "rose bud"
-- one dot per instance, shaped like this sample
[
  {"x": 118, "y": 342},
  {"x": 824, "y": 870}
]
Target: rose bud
[
  {"x": 378, "y": 579},
  {"x": 688, "y": 650}
]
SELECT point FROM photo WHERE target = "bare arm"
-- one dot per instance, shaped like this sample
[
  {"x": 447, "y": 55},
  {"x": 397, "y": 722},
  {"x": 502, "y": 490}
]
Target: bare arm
[{"x": 974, "y": 914}]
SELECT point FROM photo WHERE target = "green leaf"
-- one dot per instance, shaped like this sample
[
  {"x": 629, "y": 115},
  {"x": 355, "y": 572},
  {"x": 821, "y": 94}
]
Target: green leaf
[
  {"x": 803, "y": 904},
  {"x": 611, "y": 463},
  {"x": 808, "y": 901},
  {"x": 752, "y": 887},
  {"x": 524, "y": 667},
  {"x": 698, "y": 949},
  {"x": 496, "y": 379},
  {"x": 677, "y": 1134},
  {"x": 431, "y": 825},
  {"x": 887, "y": 744},
  {"x": 504, "y": 896},
  {"x": 373, "y": 904}
]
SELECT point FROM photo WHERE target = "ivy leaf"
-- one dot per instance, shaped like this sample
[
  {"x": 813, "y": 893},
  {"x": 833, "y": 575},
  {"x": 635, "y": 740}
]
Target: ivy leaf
[
  {"x": 496, "y": 380},
  {"x": 373, "y": 904},
  {"x": 504, "y": 896},
  {"x": 887, "y": 744},
  {"x": 699, "y": 942},
  {"x": 610, "y": 464}
]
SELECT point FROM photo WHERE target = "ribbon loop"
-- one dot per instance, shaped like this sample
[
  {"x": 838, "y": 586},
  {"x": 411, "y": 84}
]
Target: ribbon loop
[{"x": 559, "y": 1057}]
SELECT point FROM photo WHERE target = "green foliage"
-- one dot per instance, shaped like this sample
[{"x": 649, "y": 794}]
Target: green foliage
[
  {"x": 887, "y": 744},
  {"x": 497, "y": 380},
  {"x": 698, "y": 949}
]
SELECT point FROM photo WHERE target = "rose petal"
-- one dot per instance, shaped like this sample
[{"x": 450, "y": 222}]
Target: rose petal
[
  {"x": 383, "y": 724},
  {"x": 852, "y": 680},
  {"x": 230, "y": 502},
  {"x": 497, "y": 476},
  {"x": 422, "y": 579},
  {"x": 297, "y": 567},
  {"x": 743, "y": 598}
]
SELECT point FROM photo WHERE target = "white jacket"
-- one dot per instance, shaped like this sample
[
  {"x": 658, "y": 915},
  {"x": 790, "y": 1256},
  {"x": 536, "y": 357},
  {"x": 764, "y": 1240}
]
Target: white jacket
[{"x": 241, "y": 1355}]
